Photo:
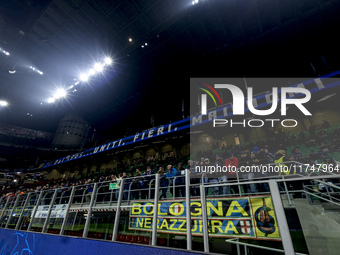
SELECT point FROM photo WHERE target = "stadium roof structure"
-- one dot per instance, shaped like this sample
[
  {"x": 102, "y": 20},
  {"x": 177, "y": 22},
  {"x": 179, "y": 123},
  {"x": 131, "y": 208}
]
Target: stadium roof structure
[{"x": 155, "y": 46}]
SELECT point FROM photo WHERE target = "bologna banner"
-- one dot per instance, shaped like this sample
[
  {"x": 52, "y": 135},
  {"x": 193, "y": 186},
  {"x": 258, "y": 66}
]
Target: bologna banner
[{"x": 243, "y": 217}]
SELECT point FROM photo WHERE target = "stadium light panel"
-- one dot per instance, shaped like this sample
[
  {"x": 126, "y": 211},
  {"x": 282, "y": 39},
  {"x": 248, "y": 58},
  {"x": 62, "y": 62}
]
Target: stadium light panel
[
  {"x": 108, "y": 60},
  {"x": 60, "y": 93},
  {"x": 98, "y": 67},
  {"x": 83, "y": 77},
  {"x": 51, "y": 100},
  {"x": 92, "y": 72},
  {"x": 3, "y": 103}
]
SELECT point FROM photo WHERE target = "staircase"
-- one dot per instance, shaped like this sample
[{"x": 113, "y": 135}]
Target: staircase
[{"x": 320, "y": 221}]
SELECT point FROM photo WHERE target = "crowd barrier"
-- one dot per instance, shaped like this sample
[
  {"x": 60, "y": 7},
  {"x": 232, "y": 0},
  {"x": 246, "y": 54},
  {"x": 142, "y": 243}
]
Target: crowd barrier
[{"x": 233, "y": 213}]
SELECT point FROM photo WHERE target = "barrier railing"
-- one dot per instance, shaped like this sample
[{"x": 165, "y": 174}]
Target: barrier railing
[{"x": 76, "y": 210}]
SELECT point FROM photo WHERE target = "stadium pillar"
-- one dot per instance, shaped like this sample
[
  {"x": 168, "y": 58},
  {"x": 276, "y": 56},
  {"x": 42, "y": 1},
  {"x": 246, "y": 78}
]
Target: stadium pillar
[
  {"x": 22, "y": 211},
  {"x": 89, "y": 212},
  {"x": 281, "y": 218},
  {"x": 11, "y": 213},
  {"x": 204, "y": 219},
  {"x": 34, "y": 211},
  {"x": 188, "y": 211},
  {"x": 49, "y": 211},
  {"x": 119, "y": 202},
  {"x": 155, "y": 212},
  {"x": 63, "y": 225}
]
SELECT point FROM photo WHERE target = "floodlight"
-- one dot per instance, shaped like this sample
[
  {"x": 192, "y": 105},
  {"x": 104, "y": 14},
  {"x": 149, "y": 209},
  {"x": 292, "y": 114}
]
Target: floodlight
[
  {"x": 51, "y": 100},
  {"x": 98, "y": 67},
  {"x": 60, "y": 93},
  {"x": 83, "y": 77},
  {"x": 108, "y": 60},
  {"x": 92, "y": 72},
  {"x": 3, "y": 103}
]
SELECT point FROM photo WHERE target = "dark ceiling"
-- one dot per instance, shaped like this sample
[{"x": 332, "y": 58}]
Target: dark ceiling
[{"x": 214, "y": 38}]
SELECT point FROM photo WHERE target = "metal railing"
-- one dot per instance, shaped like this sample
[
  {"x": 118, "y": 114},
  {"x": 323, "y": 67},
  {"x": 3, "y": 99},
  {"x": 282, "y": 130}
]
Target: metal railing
[
  {"x": 87, "y": 199},
  {"x": 246, "y": 245}
]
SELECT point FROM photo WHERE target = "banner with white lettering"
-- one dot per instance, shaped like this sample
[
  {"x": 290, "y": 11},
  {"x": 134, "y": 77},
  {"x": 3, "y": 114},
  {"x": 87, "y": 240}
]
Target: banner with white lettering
[{"x": 58, "y": 211}]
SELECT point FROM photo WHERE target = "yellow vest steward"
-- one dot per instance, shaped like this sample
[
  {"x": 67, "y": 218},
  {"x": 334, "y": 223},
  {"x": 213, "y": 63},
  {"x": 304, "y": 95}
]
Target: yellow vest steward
[{"x": 278, "y": 162}]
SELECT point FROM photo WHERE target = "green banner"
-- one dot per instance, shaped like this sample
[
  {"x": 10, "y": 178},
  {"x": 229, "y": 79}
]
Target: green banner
[{"x": 114, "y": 186}]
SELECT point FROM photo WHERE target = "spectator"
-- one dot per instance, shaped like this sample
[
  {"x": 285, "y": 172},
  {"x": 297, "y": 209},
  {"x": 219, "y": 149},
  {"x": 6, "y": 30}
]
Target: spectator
[
  {"x": 119, "y": 181},
  {"x": 140, "y": 184},
  {"x": 164, "y": 182},
  {"x": 126, "y": 188},
  {"x": 280, "y": 156},
  {"x": 89, "y": 190},
  {"x": 150, "y": 183},
  {"x": 195, "y": 178},
  {"x": 212, "y": 178},
  {"x": 245, "y": 161},
  {"x": 222, "y": 179},
  {"x": 170, "y": 174},
  {"x": 232, "y": 163},
  {"x": 298, "y": 154},
  {"x": 180, "y": 181}
]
